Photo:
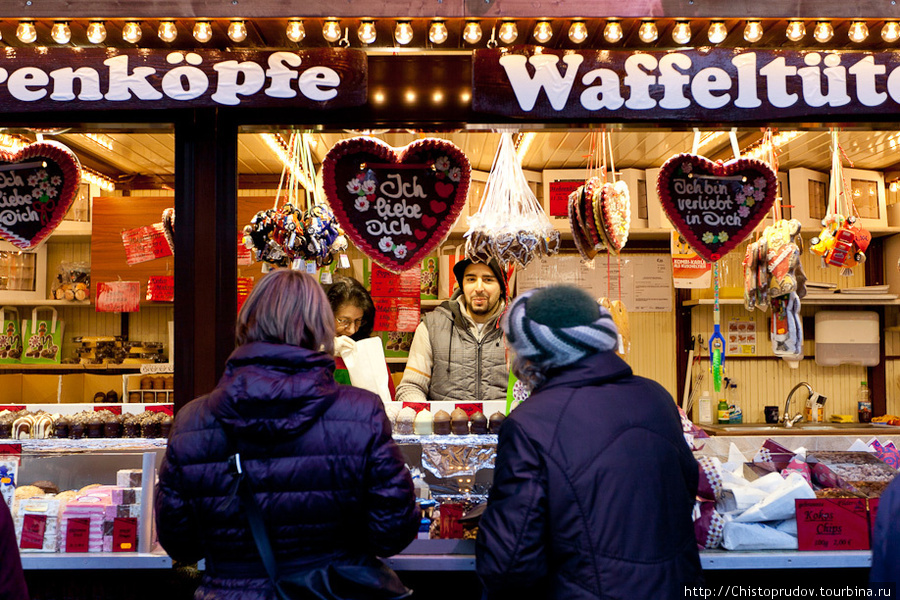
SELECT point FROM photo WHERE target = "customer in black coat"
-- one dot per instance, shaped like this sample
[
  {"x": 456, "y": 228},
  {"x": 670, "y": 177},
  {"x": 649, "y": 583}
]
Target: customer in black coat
[
  {"x": 594, "y": 484},
  {"x": 331, "y": 482},
  {"x": 885, "y": 573}
]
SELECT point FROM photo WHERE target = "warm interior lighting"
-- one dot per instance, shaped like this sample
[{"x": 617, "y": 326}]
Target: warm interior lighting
[
  {"x": 101, "y": 139},
  {"x": 823, "y": 32},
  {"x": 295, "y": 31},
  {"x": 167, "y": 31},
  {"x": 98, "y": 179},
  {"x": 403, "y": 32},
  {"x": 438, "y": 33},
  {"x": 524, "y": 142},
  {"x": 858, "y": 32},
  {"x": 280, "y": 149},
  {"x": 890, "y": 32},
  {"x": 612, "y": 32},
  {"x": 543, "y": 31},
  {"x": 26, "y": 33},
  {"x": 472, "y": 32},
  {"x": 331, "y": 30},
  {"x": 202, "y": 31},
  {"x": 367, "y": 32},
  {"x": 796, "y": 31},
  {"x": 508, "y": 32},
  {"x": 717, "y": 32},
  {"x": 237, "y": 31},
  {"x": 648, "y": 32},
  {"x": 682, "y": 32},
  {"x": 61, "y": 33},
  {"x": 578, "y": 32},
  {"x": 753, "y": 31},
  {"x": 760, "y": 151},
  {"x": 409, "y": 96},
  {"x": 96, "y": 32},
  {"x": 131, "y": 33}
]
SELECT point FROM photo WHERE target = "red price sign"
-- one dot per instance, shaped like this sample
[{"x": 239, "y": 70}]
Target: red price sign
[
  {"x": 161, "y": 288},
  {"x": 559, "y": 196},
  {"x": 146, "y": 243},
  {"x": 470, "y": 408},
  {"x": 124, "y": 534},
  {"x": 77, "y": 534},
  {"x": 832, "y": 524},
  {"x": 417, "y": 406},
  {"x": 118, "y": 296},
  {"x": 396, "y": 314},
  {"x": 407, "y": 284},
  {"x": 33, "y": 528}
]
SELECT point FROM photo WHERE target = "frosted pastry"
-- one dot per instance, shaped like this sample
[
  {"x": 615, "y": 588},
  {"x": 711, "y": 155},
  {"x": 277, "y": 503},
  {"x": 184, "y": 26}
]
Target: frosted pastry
[
  {"x": 392, "y": 410},
  {"x": 478, "y": 423},
  {"x": 442, "y": 423},
  {"x": 422, "y": 425},
  {"x": 459, "y": 422},
  {"x": 496, "y": 421},
  {"x": 406, "y": 420}
]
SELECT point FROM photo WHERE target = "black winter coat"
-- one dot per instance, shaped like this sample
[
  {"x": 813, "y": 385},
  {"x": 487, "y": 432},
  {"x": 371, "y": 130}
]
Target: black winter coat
[
  {"x": 593, "y": 491},
  {"x": 320, "y": 458}
]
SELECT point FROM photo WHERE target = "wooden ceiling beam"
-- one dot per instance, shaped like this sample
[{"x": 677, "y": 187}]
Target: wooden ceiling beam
[{"x": 259, "y": 9}]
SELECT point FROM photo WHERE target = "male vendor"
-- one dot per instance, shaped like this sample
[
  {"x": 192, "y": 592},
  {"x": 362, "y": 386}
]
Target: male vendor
[{"x": 458, "y": 352}]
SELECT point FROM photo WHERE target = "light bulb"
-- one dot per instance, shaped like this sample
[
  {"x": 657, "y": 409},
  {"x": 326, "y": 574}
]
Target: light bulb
[
  {"x": 717, "y": 32},
  {"x": 202, "y": 31},
  {"x": 578, "y": 32},
  {"x": 682, "y": 32},
  {"x": 858, "y": 32},
  {"x": 403, "y": 32},
  {"x": 508, "y": 32},
  {"x": 612, "y": 33},
  {"x": 890, "y": 32},
  {"x": 167, "y": 31},
  {"x": 237, "y": 31},
  {"x": 648, "y": 32},
  {"x": 796, "y": 31},
  {"x": 753, "y": 31},
  {"x": 472, "y": 32},
  {"x": 131, "y": 33},
  {"x": 823, "y": 32},
  {"x": 295, "y": 31},
  {"x": 437, "y": 33},
  {"x": 367, "y": 32},
  {"x": 331, "y": 30},
  {"x": 26, "y": 32},
  {"x": 543, "y": 31},
  {"x": 61, "y": 33},
  {"x": 96, "y": 32}
]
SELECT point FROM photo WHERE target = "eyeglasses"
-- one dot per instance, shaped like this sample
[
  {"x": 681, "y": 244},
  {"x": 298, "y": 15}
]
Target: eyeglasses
[{"x": 344, "y": 322}]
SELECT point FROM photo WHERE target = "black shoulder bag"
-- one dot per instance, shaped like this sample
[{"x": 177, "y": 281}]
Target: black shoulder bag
[{"x": 333, "y": 582}]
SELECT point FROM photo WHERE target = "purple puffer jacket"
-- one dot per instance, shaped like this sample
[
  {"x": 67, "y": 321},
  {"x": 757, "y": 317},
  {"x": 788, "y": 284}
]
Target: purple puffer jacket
[{"x": 329, "y": 478}]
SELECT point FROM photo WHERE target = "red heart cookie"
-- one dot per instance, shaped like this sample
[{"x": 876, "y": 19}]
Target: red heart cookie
[
  {"x": 614, "y": 211},
  {"x": 37, "y": 186},
  {"x": 384, "y": 197},
  {"x": 715, "y": 205}
]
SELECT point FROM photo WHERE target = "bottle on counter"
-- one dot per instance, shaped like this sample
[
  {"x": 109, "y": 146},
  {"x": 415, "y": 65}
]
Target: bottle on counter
[
  {"x": 734, "y": 404},
  {"x": 864, "y": 403},
  {"x": 722, "y": 412},
  {"x": 705, "y": 409}
]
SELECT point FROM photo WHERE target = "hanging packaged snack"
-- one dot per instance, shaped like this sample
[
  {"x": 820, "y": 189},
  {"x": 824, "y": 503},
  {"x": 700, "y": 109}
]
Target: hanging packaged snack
[
  {"x": 73, "y": 282},
  {"x": 510, "y": 224},
  {"x": 10, "y": 336}
]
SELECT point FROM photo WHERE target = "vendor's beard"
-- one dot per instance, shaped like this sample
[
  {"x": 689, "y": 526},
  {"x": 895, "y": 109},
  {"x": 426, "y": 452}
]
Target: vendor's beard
[{"x": 488, "y": 308}]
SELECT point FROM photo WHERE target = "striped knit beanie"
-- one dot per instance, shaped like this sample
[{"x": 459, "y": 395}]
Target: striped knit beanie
[{"x": 558, "y": 325}]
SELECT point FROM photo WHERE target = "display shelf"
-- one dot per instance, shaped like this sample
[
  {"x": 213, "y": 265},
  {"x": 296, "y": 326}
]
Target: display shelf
[
  {"x": 47, "y": 302},
  {"x": 395, "y": 360},
  {"x": 96, "y": 560},
  {"x": 70, "y": 368},
  {"x": 833, "y": 300}
]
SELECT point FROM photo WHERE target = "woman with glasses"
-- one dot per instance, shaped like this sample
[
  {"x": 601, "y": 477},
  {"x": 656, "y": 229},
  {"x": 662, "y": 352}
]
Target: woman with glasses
[{"x": 354, "y": 317}]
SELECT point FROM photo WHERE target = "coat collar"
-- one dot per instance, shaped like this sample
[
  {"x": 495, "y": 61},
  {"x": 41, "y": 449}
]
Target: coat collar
[{"x": 591, "y": 370}]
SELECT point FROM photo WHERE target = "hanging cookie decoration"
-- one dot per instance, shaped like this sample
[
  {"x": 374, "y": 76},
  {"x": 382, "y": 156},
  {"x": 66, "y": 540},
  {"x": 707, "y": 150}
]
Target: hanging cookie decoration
[
  {"x": 396, "y": 204},
  {"x": 40, "y": 183},
  {"x": 715, "y": 205},
  {"x": 168, "y": 221}
]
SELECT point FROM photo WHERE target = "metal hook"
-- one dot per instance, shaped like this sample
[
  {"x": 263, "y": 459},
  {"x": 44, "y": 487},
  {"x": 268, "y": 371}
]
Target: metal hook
[
  {"x": 345, "y": 41},
  {"x": 492, "y": 42}
]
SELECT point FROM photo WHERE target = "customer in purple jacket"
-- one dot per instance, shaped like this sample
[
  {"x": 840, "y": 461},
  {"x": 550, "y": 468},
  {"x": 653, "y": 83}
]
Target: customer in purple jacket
[
  {"x": 885, "y": 573},
  {"x": 329, "y": 479},
  {"x": 593, "y": 483},
  {"x": 12, "y": 578}
]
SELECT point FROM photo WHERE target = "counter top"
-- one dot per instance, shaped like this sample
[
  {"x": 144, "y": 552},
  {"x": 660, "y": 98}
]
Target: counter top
[{"x": 807, "y": 429}]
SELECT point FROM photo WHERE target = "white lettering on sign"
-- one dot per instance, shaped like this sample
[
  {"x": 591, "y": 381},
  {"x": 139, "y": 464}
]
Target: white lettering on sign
[
  {"x": 14, "y": 206},
  {"x": 644, "y": 81}
]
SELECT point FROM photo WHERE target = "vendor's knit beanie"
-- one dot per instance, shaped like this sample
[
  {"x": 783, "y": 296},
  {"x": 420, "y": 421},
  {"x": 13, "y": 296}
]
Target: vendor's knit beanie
[{"x": 558, "y": 325}]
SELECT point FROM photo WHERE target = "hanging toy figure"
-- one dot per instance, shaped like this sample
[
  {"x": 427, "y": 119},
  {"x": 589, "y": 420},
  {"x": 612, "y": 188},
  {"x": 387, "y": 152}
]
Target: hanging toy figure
[{"x": 716, "y": 341}]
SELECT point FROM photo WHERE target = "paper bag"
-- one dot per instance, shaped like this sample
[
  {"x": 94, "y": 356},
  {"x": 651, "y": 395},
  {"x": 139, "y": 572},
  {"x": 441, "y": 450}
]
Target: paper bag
[
  {"x": 10, "y": 336},
  {"x": 449, "y": 256},
  {"x": 42, "y": 337},
  {"x": 365, "y": 364}
]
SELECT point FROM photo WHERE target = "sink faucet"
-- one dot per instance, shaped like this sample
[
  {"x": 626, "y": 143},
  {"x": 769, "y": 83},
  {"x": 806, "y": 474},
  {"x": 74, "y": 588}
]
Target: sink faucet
[{"x": 787, "y": 419}]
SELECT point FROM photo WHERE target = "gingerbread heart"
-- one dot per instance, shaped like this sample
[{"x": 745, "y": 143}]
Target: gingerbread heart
[
  {"x": 37, "y": 186},
  {"x": 615, "y": 214},
  {"x": 582, "y": 244},
  {"x": 396, "y": 204},
  {"x": 715, "y": 205}
]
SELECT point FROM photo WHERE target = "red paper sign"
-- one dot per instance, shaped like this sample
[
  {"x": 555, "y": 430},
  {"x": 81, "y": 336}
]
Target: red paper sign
[
  {"x": 10, "y": 449},
  {"x": 451, "y": 528},
  {"x": 33, "y": 527},
  {"x": 417, "y": 406},
  {"x": 118, "y": 296},
  {"x": 161, "y": 288},
  {"x": 470, "y": 408},
  {"x": 244, "y": 255},
  {"x": 559, "y": 196},
  {"x": 12, "y": 407},
  {"x": 77, "y": 534},
  {"x": 244, "y": 287},
  {"x": 407, "y": 284},
  {"x": 116, "y": 410},
  {"x": 832, "y": 524},
  {"x": 163, "y": 408},
  {"x": 396, "y": 314},
  {"x": 146, "y": 243},
  {"x": 124, "y": 534}
]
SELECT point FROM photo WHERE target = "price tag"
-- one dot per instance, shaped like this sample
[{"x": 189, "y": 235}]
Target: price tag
[
  {"x": 114, "y": 409},
  {"x": 470, "y": 408},
  {"x": 124, "y": 534},
  {"x": 832, "y": 524},
  {"x": 33, "y": 528},
  {"x": 343, "y": 262},
  {"x": 298, "y": 264},
  {"x": 77, "y": 534},
  {"x": 417, "y": 406}
]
